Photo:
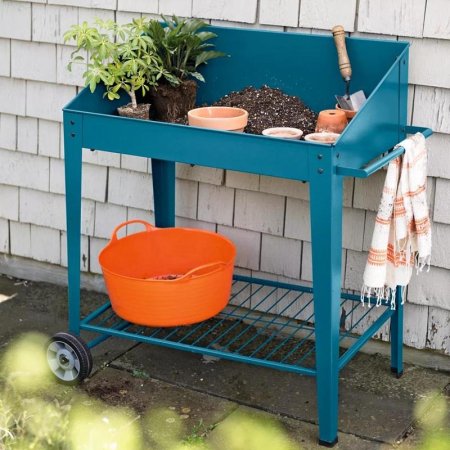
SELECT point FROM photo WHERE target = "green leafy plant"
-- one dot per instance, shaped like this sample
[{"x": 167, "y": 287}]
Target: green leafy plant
[
  {"x": 119, "y": 56},
  {"x": 182, "y": 47},
  {"x": 198, "y": 434}
]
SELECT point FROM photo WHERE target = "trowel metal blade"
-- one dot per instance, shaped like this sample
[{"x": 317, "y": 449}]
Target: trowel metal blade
[
  {"x": 357, "y": 100},
  {"x": 343, "y": 102}
]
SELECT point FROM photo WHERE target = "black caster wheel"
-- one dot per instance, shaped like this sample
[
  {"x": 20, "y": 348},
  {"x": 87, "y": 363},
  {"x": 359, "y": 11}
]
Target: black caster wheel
[{"x": 69, "y": 358}]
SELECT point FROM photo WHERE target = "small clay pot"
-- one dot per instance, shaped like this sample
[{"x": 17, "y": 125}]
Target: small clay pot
[
  {"x": 348, "y": 112},
  {"x": 322, "y": 138},
  {"x": 219, "y": 117},
  {"x": 331, "y": 120},
  {"x": 141, "y": 112},
  {"x": 283, "y": 132}
]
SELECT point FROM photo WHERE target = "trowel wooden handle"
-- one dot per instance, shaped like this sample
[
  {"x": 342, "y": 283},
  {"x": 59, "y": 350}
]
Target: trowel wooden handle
[{"x": 344, "y": 61}]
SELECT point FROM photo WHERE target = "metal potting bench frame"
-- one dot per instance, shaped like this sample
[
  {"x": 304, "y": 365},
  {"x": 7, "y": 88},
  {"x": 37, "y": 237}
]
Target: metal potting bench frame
[{"x": 299, "y": 64}]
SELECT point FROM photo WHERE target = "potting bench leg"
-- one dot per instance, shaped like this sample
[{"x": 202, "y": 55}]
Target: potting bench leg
[
  {"x": 397, "y": 336},
  {"x": 326, "y": 231},
  {"x": 72, "y": 156},
  {"x": 163, "y": 173}
]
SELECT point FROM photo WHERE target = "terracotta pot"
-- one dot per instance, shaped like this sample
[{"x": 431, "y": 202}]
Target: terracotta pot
[
  {"x": 141, "y": 112},
  {"x": 283, "y": 132},
  {"x": 219, "y": 117},
  {"x": 172, "y": 103},
  {"x": 348, "y": 112},
  {"x": 331, "y": 120},
  {"x": 322, "y": 138}
]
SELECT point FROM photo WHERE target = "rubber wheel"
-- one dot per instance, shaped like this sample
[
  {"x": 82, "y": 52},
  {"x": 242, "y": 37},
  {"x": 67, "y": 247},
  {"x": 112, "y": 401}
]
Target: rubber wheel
[{"x": 69, "y": 358}]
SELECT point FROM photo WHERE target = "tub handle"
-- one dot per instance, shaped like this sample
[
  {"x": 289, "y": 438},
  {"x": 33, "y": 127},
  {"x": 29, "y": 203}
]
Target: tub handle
[
  {"x": 199, "y": 268},
  {"x": 148, "y": 227}
]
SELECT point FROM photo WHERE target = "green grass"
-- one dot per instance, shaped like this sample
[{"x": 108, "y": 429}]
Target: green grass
[{"x": 198, "y": 434}]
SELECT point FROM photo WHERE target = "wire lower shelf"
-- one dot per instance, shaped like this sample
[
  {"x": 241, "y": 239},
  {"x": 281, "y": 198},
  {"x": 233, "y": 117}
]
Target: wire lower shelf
[{"x": 266, "y": 323}]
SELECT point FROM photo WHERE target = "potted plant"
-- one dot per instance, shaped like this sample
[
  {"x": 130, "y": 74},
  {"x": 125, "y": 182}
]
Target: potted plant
[
  {"x": 122, "y": 57},
  {"x": 182, "y": 47}
]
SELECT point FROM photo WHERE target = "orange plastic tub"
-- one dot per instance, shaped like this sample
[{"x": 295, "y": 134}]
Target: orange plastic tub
[{"x": 168, "y": 276}]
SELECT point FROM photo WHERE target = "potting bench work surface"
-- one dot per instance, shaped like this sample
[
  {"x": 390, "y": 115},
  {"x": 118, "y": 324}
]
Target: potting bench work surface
[{"x": 380, "y": 68}]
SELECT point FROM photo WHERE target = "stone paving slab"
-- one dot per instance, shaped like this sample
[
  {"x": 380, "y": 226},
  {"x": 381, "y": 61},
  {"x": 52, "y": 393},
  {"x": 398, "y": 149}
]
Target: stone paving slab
[
  {"x": 414, "y": 439},
  {"x": 202, "y": 416},
  {"x": 373, "y": 404},
  {"x": 302, "y": 434},
  {"x": 178, "y": 412}
]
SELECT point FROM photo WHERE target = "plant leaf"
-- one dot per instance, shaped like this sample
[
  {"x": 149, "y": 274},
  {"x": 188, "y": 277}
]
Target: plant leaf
[
  {"x": 206, "y": 35},
  {"x": 198, "y": 75},
  {"x": 92, "y": 85},
  {"x": 205, "y": 56}
]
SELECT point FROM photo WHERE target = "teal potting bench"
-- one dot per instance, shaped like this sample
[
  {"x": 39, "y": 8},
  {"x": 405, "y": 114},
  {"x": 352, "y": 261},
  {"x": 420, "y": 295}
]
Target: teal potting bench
[{"x": 299, "y": 64}]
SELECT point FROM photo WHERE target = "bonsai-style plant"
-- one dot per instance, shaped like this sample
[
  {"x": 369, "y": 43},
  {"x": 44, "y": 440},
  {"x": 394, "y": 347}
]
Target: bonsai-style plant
[
  {"x": 122, "y": 57},
  {"x": 182, "y": 46}
]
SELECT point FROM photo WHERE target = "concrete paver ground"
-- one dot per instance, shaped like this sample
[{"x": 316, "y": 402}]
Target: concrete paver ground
[
  {"x": 373, "y": 403},
  {"x": 376, "y": 409}
]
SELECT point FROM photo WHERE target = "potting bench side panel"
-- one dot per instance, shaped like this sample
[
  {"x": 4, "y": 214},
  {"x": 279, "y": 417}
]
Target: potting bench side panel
[{"x": 381, "y": 122}]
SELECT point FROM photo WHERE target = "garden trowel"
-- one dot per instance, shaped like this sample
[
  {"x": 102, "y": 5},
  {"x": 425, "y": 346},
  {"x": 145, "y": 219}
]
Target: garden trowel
[{"x": 354, "y": 101}]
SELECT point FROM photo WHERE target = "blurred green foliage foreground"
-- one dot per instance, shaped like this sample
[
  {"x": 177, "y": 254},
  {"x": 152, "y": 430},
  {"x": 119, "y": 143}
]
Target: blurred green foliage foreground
[{"x": 36, "y": 413}]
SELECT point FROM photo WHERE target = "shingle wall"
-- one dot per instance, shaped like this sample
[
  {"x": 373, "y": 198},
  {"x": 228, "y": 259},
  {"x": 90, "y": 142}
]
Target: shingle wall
[{"x": 268, "y": 218}]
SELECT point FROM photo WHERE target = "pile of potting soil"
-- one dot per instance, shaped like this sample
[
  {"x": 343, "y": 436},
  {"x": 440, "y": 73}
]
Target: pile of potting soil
[{"x": 268, "y": 107}]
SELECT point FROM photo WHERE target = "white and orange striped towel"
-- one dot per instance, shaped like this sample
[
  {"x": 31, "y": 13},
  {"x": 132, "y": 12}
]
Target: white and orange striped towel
[{"x": 402, "y": 234}]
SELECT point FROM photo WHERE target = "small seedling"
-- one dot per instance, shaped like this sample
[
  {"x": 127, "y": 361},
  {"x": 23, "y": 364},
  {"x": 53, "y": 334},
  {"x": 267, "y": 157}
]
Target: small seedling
[{"x": 199, "y": 433}]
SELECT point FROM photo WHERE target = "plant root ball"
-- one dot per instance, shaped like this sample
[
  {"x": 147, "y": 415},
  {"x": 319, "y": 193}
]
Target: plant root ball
[{"x": 141, "y": 112}]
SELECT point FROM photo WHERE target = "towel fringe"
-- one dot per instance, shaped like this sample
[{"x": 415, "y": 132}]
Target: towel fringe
[
  {"x": 380, "y": 293},
  {"x": 393, "y": 294},
  {"x": 421, "y": 262},
  {"x": 403, "y": 295}
]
